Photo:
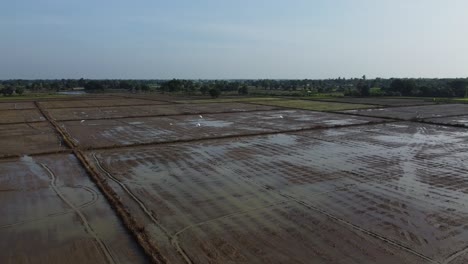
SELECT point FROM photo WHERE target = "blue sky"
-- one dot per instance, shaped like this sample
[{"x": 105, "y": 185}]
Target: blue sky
[{"x": 233, "y": 39}]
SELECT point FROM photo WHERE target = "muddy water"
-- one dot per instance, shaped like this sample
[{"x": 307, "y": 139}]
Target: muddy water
[
  {"x": 284, "y": 234},
  {"x": 102, "y": 133},
  {"x": 52, "y": 213},
  {"x": 412, "y": 112},
  {"x": 396, "y": 188},
  {"x": 77, "y": 113},
  {"x": 459, "y": 120}
]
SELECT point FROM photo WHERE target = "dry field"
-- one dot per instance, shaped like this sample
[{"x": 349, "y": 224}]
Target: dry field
[
  {"x": 20, "y": 116},
  {"x": 29, "y": 138},
  {"x": 146, "y": 180},
  {"x": 19, "y": 105}
]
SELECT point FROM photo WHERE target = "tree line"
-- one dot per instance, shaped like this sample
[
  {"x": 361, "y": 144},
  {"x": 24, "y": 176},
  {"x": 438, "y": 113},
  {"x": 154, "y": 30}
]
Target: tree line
[{"x": 351, "y": 87}]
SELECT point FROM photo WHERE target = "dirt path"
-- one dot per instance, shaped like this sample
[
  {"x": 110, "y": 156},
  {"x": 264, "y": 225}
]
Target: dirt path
[{"x": 175, "y": 237}]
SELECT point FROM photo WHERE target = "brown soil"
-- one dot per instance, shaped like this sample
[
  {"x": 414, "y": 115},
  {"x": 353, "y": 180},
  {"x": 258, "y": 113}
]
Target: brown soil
[
  {"x": 28, "y": 138},
  {"x": 415, "y": 112},
  {"x": 15, "y": 106},
  {"x": 20, "y": 116},
  {"x": 461, "y": 121},
  {"x": 150, "y": 110},
  {"x": 131, "y": 131},
  {"x": 232, "y": 183},
  {"x": 52, "y": 213},
  {"x": 284, "y": 198},
  {"x": 382, "y": 101},
  {"x": 95, "y": 103}
]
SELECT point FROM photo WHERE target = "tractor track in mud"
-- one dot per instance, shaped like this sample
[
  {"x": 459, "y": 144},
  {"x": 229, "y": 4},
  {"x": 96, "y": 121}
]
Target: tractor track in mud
[
  {"x": 101, "y": 245},
  {"x": 462, "y": 251},
  {"x": 362, "y": 230},
  {"x": 175, "y": 237},
  {"x": 143, "y": 207},
  {"x": 342, "y": 221},
  {"x": 94, "y": 199},
  {"x": 140, "y": 234},
  {"x": 37, "y": 154},
  {"x": 97, "y": 172}
]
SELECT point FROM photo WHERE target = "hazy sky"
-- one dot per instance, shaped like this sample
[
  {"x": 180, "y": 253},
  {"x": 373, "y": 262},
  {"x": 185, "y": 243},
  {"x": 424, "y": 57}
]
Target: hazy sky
[{"x": 233, "y": 39}]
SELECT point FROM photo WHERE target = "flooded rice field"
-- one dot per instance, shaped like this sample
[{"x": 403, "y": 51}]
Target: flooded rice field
[
  {"x": 415, "y": 112},
  {"x": 270, "y": 184},
  {"x": 131, "y": 131},
  {"x": 89, "y": 181},
  {"x": 52, "y": 213},
  {"x": 461, "y": 121},
  {"x": 150, "y": 110}
]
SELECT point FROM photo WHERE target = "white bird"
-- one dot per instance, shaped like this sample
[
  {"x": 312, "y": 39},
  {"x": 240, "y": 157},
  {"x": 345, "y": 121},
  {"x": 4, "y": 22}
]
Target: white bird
[
  {"x": 82, "y": 121},
  {"x": 281, "y": 116},
  {"x": 201, "y": 116},
  {"x": 198, "y": 124},
  {"x": 170, "y": 124}
]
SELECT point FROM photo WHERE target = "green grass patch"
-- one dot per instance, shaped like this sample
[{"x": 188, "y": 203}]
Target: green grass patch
[
  {"x": 229, "y": 100},
  {"x": 32, "y": 97},
  {"x": 465, "y": 100},
  {"x": 322, "y": 96},
  {"x": 315, "y": 105}
]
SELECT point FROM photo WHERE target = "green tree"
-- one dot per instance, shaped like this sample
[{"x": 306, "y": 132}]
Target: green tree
[
  {"x": 92, "y": 86},
  {"x": 172, "y": 86},
  {"x": 363, "y": 87},
  {"x": 243, "y": 90},
  {"x": 204, "y": 89},
  {"x": 19, "y": 90},
  {"x": 81, "y": 82},
  {"x": 144, "y": 87},
  {"x": 126, "y": 85},
  {"x": 459, "y": 88},
  {"x": 214, "y": 92},
  {"x": 7, "y": 90},
  {"x": 404, "y": 87}
]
